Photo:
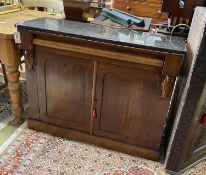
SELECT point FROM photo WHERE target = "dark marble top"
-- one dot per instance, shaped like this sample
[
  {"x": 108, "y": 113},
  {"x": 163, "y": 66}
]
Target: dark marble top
[{"x": 137, "y": 39}]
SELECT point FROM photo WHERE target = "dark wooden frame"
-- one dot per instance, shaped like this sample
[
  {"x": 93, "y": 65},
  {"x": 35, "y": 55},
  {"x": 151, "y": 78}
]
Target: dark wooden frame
[{"x": 182, "y": 153}]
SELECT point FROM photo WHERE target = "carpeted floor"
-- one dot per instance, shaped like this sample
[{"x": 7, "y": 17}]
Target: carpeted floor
[
  {"x": 24, "y": 151},
  {"x": 6, "y": 128},
  {"x": 33, "y": 153}
]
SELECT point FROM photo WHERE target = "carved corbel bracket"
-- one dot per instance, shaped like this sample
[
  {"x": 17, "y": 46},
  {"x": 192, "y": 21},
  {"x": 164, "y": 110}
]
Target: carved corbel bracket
[
  {"x": 171, "y": 70},
  {"x": 29, "y": 59},
  {"x": 166, "y": 85},
  {"x": 28, "y": 47}
]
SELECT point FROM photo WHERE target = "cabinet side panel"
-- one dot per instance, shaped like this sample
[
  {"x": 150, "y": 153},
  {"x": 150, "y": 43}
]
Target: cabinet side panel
[{"x": 32, "y": 91}]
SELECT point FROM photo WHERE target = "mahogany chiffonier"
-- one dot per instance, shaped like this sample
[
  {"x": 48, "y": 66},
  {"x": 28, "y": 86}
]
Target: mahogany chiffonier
[{"x": 101, "y": 85}]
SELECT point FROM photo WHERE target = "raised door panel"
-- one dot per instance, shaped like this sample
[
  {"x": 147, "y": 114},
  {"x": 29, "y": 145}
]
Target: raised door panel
[
  {"x": 65, "y": 86},
  {"x": 129, "y": 106}
]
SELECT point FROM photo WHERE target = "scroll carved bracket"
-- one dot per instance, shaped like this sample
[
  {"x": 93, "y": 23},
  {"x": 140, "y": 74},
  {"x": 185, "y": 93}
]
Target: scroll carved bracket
[
  {"x": 28, "y": 47},
  {"x": 30, "y": 60},
  {"x": 166, "y": 85},
  {"x": 170, "y": 71}
]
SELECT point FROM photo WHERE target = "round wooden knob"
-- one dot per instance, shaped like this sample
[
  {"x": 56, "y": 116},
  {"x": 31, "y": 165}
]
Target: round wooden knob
[{"x": 129, "y": 8}]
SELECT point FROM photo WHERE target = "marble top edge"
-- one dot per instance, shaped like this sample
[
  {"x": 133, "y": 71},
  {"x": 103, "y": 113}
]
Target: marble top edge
[{"x": 137, "y": 39}]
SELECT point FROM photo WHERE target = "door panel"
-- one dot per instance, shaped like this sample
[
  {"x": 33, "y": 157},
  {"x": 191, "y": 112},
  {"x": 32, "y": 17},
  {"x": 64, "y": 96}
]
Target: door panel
[
  {"x": 72, "y": 78},
  {"x": 129, "y": 106},
  {"x": 65, "y": 86}
]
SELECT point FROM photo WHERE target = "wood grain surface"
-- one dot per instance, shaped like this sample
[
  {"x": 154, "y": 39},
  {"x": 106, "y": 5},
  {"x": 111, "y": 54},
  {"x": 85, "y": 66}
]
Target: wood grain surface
[
  {"x": 10, "y": 54},
  {"x": 8, "y": 21}
]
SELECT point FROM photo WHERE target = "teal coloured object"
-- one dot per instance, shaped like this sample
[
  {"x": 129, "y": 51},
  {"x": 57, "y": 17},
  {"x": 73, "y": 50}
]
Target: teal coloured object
[{"x": 122, "y": 18}]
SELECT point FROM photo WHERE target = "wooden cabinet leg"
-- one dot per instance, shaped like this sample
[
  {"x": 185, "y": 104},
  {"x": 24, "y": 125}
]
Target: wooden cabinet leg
[{"x": 14, "y": 86}]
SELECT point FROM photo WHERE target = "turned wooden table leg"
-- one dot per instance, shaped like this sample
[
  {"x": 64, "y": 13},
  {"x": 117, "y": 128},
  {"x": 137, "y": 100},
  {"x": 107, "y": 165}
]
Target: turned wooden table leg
[
  {"x": 14, "y": 86},
  {"x": 10, "y": 56}
]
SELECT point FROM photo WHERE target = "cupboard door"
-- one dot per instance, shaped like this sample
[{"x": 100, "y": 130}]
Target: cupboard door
[
  {"x": 65, "y": 86},
  {"x": 129, "y": 106}
]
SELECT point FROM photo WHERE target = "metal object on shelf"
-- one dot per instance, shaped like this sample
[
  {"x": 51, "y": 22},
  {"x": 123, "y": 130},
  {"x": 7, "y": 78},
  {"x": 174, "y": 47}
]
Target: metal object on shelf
[{"x": 122, "y": 18}]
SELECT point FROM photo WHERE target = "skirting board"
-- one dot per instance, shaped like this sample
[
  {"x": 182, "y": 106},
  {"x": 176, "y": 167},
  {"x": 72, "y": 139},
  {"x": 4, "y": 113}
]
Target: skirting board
[{"x": 92, "y": 139}]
